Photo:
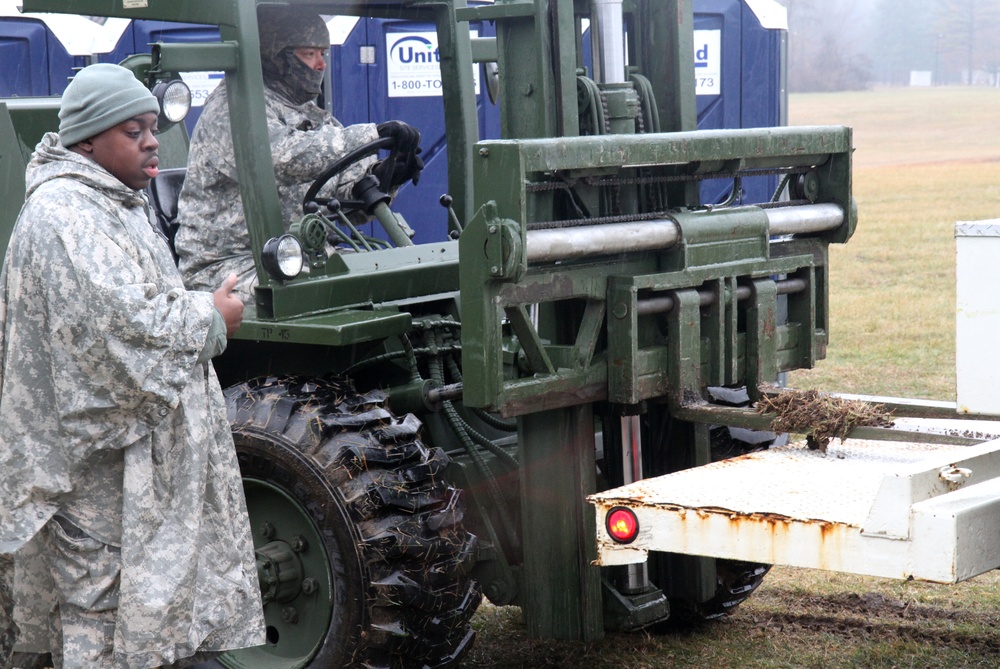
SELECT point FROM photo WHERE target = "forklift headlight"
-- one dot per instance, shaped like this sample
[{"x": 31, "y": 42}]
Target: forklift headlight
[
  {"x": 175, "y": 102},
  {"x": 622, "y": 525},
  {"x": 282, "y": 257}
]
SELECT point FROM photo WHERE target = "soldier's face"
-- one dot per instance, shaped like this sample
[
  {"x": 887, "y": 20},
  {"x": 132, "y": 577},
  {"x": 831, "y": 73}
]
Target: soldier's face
[
  {"x": 312, "y": 56},
  {"x": 127, "y": 150}
]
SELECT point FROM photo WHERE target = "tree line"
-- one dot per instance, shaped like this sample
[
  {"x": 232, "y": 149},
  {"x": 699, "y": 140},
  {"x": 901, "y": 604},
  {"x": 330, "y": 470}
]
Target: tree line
[{"x": 853, "y": 44}]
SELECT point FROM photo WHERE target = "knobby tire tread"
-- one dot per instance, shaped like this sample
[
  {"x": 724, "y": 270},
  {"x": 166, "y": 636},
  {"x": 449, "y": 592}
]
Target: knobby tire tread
[{"x": 409, "y": 595}]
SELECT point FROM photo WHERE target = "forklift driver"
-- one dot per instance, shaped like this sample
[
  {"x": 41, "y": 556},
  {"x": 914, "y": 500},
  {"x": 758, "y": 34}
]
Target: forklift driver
[{"x": 212, "y": 240}]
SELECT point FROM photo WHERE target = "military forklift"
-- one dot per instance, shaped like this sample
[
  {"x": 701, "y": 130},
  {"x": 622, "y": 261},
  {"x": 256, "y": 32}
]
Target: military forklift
[{"x": 423, "y": 425}]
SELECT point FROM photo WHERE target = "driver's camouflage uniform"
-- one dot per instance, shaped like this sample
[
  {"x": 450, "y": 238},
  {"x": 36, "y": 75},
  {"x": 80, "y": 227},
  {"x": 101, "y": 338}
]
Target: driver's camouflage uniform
[{"x": 212, "y": 240}]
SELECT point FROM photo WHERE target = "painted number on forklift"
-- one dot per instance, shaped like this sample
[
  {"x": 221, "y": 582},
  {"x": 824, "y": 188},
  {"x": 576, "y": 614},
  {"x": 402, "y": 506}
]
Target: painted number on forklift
[
  {"x": 707, "y": 62},
  {"x": 413, "y": 65},
  {"x": 271, "y": 333}
]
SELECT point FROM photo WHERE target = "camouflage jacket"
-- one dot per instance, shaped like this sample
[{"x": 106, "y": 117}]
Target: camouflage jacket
[
  {"x": 100, "y": 345},
  {"x": 212, "y": 240}
]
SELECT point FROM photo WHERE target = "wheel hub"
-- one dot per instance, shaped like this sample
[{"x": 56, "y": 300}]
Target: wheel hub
[
  {"x": 280, "y": 572},
  {"x": 295, "y": 581}
]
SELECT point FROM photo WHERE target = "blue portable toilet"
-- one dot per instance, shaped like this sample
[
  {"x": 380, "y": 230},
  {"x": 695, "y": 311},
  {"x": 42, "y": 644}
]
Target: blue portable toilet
[
  {"x": 740, "y": 49},
  {"x": 384, "y": 69},
  {"x": 388, "y": 69},
  {"x": 142, "y": 33},
  {"x": 26, "y": 42},
  {"x": 47, "y": 48},
  {"x": 39, "y": 51}
]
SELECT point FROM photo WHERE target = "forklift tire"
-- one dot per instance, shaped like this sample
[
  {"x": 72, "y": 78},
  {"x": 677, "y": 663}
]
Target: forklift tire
[
  {"x": 735, "y": 580},
  {"x": 360, "y": 547}
]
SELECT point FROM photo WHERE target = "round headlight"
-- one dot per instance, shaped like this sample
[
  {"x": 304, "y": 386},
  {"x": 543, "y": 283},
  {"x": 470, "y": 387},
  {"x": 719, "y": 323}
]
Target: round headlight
[
  {"x": 175, "y": 101},
  {"x": 282, "y": 257}
]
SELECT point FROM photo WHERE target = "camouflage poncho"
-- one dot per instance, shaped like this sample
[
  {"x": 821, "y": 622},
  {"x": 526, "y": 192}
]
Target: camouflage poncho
[
  {"x": 104, "y": 404},
  {"x": 212, "y": 241},
  {"x": 8, "y": 630}
]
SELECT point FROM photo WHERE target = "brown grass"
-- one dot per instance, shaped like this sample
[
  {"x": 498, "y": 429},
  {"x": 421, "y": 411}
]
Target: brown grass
[
  {"x": 925, "y": 159},
  {"x": 909, "y": 126},
  {"x": 818, "y": 416},
  {"x": 799, "y": 619}
]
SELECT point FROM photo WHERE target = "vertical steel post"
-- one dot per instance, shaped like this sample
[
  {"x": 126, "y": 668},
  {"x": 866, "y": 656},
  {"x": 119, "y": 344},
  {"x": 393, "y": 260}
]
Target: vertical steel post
[
  {"x": 462, "y": 126},
  {"x": 539, "y": 92},
  {"x": 561, "y": 589},
  {"x": 637, "y": 576},
  {"x": 254, "y": 164},
  {"x": 608, "y": 40},
  {"x": 666, "y": 31},
  {"x": 761, "y": 337}
]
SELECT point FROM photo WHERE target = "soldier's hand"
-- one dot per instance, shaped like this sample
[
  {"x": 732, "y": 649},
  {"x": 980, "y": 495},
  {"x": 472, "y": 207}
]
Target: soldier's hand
[
  {"x": 407, "y": 137},
  {"x": 229, "y": 305},
  {"x": 396, "y": 170},
  {"x": 413, "y": 165}
]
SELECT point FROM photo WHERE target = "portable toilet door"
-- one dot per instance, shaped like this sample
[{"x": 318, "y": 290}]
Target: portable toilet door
[
  {"x": 387, "y": 69},
  {"x": 25, "y": 48},
  {"x": 740, "y": 75},
  {"x": 35, "y": 61}
]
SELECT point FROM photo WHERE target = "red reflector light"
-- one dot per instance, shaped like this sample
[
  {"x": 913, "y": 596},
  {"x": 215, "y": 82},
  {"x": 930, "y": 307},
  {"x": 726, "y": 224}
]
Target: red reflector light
[{"x": 622, "y": 525}]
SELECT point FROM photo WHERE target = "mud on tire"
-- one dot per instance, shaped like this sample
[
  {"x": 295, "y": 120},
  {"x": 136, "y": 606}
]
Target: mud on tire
[{"x": 391, "y": 585}]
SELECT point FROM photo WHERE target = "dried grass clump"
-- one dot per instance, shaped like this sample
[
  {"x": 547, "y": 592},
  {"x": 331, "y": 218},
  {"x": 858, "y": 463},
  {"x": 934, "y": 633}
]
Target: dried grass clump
[{"x": 820, "y": 417}]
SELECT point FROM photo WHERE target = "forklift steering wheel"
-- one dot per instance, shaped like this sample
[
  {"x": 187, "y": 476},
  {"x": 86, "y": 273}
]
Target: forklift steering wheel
[{"x": 339, "y": 166}]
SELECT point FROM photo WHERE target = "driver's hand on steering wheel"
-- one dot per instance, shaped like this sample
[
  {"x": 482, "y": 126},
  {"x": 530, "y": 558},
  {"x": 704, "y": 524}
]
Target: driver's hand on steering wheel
[
  {"x": 407, "y": 137},
  {"x": 395, "y": 173}
]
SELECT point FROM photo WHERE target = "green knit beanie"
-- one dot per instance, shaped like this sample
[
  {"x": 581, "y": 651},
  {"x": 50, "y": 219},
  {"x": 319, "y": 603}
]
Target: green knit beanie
[{"x": 98, "y": 98}]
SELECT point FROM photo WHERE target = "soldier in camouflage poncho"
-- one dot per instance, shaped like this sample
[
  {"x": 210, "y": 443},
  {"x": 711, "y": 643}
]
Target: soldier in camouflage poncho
[
  {"x": 212, "y": 240},
  {"x": 8, "y": 629},
  {"x": 121, "y": 500}
]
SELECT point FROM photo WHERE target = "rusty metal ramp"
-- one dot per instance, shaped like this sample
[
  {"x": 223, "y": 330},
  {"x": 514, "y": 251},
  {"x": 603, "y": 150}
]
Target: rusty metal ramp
[{"x": 878, "y": 508}]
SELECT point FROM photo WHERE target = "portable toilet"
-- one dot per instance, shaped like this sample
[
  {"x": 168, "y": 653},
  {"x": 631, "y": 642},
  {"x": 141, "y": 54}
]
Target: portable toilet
[
  {"x": 388, "y": 69},
  {"x": 40, "y": 51},
  {"x": 740, "y": 75},
  {"x": 740, "y": 56},
  {"x": 385, "y": 69},
  {"x": 141, "y": 33}
]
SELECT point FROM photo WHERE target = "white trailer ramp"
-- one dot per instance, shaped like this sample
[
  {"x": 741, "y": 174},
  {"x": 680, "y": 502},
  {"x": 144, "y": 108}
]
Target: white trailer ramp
[{"x": 878, "y": 508}]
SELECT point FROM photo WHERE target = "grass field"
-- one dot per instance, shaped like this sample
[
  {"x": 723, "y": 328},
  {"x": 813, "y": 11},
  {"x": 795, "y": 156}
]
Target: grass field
[{"x": 925, "y": 158}]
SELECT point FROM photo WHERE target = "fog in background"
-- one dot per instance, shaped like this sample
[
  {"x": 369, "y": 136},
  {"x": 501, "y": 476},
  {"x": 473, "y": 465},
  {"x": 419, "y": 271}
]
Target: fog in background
[{"x": 836, "y": 45}]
